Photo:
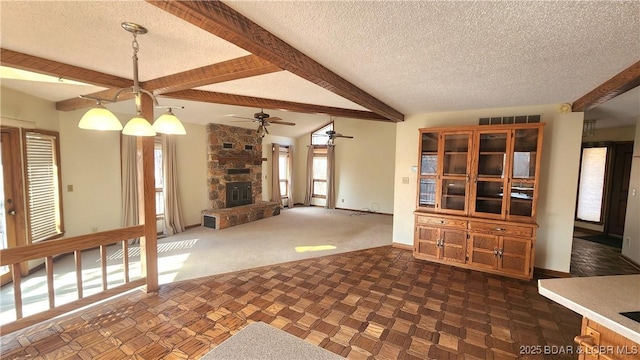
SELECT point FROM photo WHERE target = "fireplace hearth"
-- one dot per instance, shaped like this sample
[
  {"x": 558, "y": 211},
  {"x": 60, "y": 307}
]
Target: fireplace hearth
[{"x": 239, "y": 193}]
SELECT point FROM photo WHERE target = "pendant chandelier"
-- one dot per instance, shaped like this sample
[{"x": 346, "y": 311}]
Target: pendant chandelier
[{"x": 100, "y": 118}]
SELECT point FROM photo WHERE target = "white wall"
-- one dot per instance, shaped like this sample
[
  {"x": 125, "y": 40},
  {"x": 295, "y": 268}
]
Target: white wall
[
  {"x": 191, "y": 153},
  {"x": 364, "y": 165},
  {"x": 558, "y": 182},
  {"x": 631, "y": 239},
  {"x": 20, "y": 106},
  {"x": 90, "y": 162}
]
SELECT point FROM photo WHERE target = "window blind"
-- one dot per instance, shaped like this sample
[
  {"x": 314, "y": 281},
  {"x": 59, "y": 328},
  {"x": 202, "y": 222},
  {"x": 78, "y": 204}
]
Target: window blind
[
  {"x": 591, "y": 187},
  {"x": 42, "y": 179}
]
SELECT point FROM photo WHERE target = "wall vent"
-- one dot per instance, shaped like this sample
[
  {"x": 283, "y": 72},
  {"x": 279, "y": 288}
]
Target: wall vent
[
  {"x": 227, "y": 145},
  {"x": 522, "y": 119},
  {"x": 248, "y": 147}
]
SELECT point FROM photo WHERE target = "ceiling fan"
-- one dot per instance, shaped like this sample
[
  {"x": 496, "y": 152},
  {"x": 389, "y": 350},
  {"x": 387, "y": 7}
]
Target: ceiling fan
[
  {"x": 333, "y": 135},
  {"x": 264, "y": 120}
]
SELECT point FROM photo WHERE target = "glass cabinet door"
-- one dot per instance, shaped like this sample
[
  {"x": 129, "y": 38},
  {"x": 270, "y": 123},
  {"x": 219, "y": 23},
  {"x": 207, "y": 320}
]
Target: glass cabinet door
[
  {"x": 490, "y": 176},
  {"x": 455, "y": 170},
  {"x": 428, "y": 170},
  {"x": 525, "y": 159}
]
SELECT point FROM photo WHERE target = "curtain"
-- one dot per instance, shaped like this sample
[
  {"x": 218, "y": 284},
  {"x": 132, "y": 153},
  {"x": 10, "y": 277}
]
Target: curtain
[
  {"x": 129, "y": 180},
  {"x": 290, "y": 189},
  {"x": 173, "y": 222},
  {"x": 275, "y": 174},
  {"x": 309, "y": 193},
  {"x": 331, "y": 178}
]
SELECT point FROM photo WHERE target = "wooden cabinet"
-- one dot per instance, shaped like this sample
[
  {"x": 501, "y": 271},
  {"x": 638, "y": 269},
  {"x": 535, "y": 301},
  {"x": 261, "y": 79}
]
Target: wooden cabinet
[
  {"x": 441, "y": 239},
  {"x": 597, "y": 342},
  {"x": 486, "y": 178}
]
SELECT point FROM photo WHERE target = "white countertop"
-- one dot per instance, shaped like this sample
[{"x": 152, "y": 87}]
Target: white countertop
[{"x": 599, "y": 298}]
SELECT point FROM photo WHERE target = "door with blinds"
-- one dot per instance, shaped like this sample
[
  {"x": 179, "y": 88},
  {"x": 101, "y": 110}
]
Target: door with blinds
[{"x": 43, "y": 185}]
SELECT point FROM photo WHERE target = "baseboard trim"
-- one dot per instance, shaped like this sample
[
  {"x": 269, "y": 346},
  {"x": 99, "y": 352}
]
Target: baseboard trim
[
  {"x": 402, "y": 246},
  {"x": 192, "y": 226},
  {"x": 364, "y": 211},
  {"x": 630, "y": 262},
  {"x": 551, "y": 273}
]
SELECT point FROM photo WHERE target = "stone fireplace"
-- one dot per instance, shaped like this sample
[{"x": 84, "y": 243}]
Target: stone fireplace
[
  {"x": 234, "y": 178},
  {"x": 234, "y": 156}
]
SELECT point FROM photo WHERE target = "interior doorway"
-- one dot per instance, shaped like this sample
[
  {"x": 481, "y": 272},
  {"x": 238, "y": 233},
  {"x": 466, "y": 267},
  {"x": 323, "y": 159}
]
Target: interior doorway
[{"x": 619, "y": 188}]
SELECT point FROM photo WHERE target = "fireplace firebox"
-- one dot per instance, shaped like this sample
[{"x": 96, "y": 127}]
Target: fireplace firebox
[{"x": 239, "y": 193}]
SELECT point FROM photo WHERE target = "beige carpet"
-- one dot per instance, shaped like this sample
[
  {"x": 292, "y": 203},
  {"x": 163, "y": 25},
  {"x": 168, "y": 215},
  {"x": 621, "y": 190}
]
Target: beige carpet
[
  {"x": 260, "y": 341},
  {"x": 298, "y": 233},
  {"x": 295, "y": 234}
]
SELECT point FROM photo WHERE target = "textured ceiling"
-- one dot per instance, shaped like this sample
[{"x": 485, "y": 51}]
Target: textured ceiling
[{"x": 416, "y": 56}]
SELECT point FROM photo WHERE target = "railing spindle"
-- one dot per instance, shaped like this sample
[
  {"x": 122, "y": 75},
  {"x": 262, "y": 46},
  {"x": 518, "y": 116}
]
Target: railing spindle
[
  {"x": 125, "y": 260},
  {"x": 50, "y": 288},
  {"x": 17, "y": 289},
  {"x": 103, "y": 265},
  {"x": 78, "y": 257}
]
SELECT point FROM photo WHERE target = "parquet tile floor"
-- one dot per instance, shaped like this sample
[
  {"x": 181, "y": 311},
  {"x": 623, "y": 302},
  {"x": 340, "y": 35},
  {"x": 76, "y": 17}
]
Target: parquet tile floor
[{"x": 376, "y": 303}]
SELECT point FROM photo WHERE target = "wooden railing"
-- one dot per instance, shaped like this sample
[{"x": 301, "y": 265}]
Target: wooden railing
[{"x": 47, "y": 250}]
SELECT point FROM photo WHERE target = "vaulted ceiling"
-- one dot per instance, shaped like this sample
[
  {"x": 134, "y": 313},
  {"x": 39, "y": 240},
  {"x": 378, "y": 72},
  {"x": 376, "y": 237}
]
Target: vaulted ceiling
[{"x": 370, "y": 60}]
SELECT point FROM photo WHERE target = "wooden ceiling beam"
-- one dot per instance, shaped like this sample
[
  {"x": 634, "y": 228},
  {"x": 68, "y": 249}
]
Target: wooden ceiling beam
[
  {"x": 233, "y": 69},
  {"x": 40, "y": 65},
  {"x": 249, "y": 101},
  {"x": 226, "y": 23},
  {"x": 627, "y": 79}
]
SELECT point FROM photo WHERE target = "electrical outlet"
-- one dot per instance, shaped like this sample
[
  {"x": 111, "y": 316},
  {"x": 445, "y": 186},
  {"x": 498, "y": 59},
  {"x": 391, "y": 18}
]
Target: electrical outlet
[
  {"x": 342, "y": 200},
  {"x": 405, "y": 180},
  {"x": 628, "y": 240},
  {"x": 69, "y": 188},
  {"x": 94, "y": 229}
]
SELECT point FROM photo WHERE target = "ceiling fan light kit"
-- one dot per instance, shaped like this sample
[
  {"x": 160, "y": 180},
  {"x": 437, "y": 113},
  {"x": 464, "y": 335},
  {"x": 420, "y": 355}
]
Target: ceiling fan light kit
[
  {"x": 263, "y": 119},
  {"x": 100, "y": 118}
]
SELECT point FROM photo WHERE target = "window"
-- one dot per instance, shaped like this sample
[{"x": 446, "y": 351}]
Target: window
[
  {"x": 591, "y": 186},
  {"x": 320, "y": 173},
  {"x": 43, "y": 185},
  {"x": 283, "y": 167},
  {"x": 320, "y": 137}
]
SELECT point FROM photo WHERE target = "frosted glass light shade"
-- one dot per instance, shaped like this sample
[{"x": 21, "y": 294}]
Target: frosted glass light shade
[
  {"x": 168, "y": 123},
  {"x": 138, "y": 126},
  {"x": 99, "y": 118}
]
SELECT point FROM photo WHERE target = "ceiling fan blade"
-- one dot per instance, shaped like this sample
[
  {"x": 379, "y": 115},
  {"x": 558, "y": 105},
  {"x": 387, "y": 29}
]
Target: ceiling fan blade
[
  {"x": 344, "y": 136},
  {"x": 240, "y": 117},
  {"x": 242, "y": 121},
  {"x": 275, "y": 118},
  {"x": 283, "y": 123}
]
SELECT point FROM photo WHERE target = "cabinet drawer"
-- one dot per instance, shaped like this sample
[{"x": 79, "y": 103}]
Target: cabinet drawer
[
  {"x": 430, "y": 220},
  {"x": 501, "y": 229}
]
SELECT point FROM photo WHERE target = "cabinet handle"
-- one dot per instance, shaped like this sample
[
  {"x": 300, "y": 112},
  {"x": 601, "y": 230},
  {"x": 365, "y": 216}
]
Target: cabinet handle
[
  {"x": 442, "y": 222},
  {"x": 499, "y": 229},
  {"x": 495, "y": 252},
  {"x": 500, "y": 252},
  {"x": 584, "y": 340}
]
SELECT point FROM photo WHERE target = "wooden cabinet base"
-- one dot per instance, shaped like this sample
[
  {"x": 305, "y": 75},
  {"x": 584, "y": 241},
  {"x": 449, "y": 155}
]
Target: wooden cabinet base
[
  {"x": 493, "y": 246},
  {"x": 598, "y": 342}
]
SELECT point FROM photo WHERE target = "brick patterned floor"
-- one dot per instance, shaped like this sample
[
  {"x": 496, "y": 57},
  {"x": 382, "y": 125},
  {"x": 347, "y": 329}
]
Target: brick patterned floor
[
  {"x": 592, "y": 259},
  {"x": 377, "y": 303}
]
